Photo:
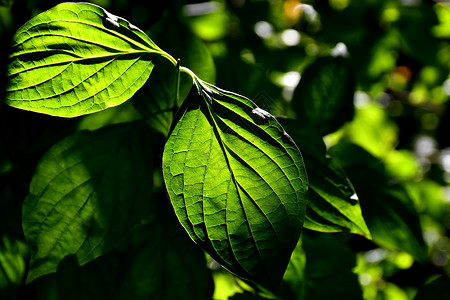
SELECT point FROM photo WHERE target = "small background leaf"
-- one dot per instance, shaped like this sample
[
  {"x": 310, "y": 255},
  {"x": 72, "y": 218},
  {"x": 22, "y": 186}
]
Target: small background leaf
[
  {"x": 312, "y": 274},
  {"x": 331, "y": 203},
  {"x": 76, "y": 59},
  {"x": 324, "y": 96},
  {"x": 437, "y": 289},
  {"x": 386, "y": 206},
  {"x": 13, "y": 254},
  {"x": 87, "y": 193},
  {"x": 192, "y": 52},
  {"x": 158, "y": 97}
]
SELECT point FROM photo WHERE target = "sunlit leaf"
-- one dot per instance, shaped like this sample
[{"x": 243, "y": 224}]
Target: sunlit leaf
[
  {"x": 87, "y": 193},
  {"x": 324, "y": 96},
  {"x": 237, "y": 183},
  {"x": 75, "y": 59},
  {"x": 160, "y": 262},
  {"x": 332, "y": 202},
  {"x": 386, "y": 206}
]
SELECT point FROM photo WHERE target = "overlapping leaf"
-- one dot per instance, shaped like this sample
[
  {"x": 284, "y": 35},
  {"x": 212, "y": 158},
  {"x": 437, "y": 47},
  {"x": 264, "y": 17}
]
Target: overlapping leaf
[
  {"x": 332, "y": 205},
  {"x": 158, "y": 256},
  {"x": 386, "y": 205},
  {"x": 324, "y": 96},
  {"x": 77, "y": 58},
  {"x": 87, "y": 193},
  {"x": 237, "y": 183}
]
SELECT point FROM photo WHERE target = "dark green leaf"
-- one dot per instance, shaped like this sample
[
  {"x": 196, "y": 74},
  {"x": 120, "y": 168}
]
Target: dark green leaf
[
  {"x": 321, "y": 268},
  {"x": 438, "y": 289},
  {"x": 87, "y": 193},
  {"x": 332, "y": 206},
  {"x": 295, "y": 277},
  {"x": 191, "y": 51},
  {"x": 13, "y": 254},
  {"x": 77, "y": 58},
  {"x": 160, "y": 262},
  {"x": 237, "y": 183},
  {"x": 5, "y": 2},
  {"x": 328, "y": 271},
  {"x": 414, "y": 31},
  {"x": 324, "y": 96},
  {"x": 158, "y": 96},
  {"x": 386, "y": 206}
]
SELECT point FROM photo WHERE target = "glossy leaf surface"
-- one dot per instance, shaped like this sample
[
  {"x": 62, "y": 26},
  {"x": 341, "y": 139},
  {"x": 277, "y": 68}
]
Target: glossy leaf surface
[
  {"x": 237, "y": 183},
  {"x": 87, "y": 193},
  {"x": 75, "y": 59}
]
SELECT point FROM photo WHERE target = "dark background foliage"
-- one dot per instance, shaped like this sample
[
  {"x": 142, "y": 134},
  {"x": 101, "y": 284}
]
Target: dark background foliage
[{"x": 370, "y": 76}]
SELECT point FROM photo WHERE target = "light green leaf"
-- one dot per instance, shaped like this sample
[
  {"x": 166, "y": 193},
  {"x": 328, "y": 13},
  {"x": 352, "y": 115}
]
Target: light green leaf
[
  {"x": 237, "y": 183},
  {"x": 87, "y": 193},
  {"x": 77, "y": 58}
]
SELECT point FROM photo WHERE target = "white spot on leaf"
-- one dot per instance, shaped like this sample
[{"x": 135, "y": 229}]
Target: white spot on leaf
[
  {"x": 112, "y": 19},
  {"x": 260, "y": 116}
]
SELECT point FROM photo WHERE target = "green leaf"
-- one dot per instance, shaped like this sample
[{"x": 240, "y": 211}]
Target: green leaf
[
  {"x": 158, "y": 96},
  {"x": 13, "y": 253},
  {"x": 237, "y": 183},
  {"x": 87, "y": 193},
  {"x": 295, "y": 277},
  {"x": 332, "y": 205},
  {"x": 312, "y": 271},
  {"x": 5, "y": 2},
  {"x": 324, "y": 96},
  {"x": 436, "y": 289},
  {"x": 77, "y": 58},
  {"x": 157, "y": 257},
  {"x": 327, "y": 256},
  {"x": 191, "y": 51},
  {"x": 386, "y": 206}
]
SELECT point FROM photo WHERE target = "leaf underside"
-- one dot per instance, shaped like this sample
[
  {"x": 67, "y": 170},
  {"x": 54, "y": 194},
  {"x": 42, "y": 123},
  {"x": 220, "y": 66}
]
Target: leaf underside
[
  {"x": 75, "y": 59},
  {"x": 237, "y": 183}
]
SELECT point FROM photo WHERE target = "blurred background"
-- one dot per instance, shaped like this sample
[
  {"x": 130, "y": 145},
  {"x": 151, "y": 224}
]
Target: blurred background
[{"x": 378, "y": 70}]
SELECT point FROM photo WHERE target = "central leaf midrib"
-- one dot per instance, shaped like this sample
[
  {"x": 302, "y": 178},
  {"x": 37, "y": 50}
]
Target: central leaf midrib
[
  {"x": 107, "y": 55},
  {"x": 81, "y": 82},
  {"x": 236, "y": 185}
]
